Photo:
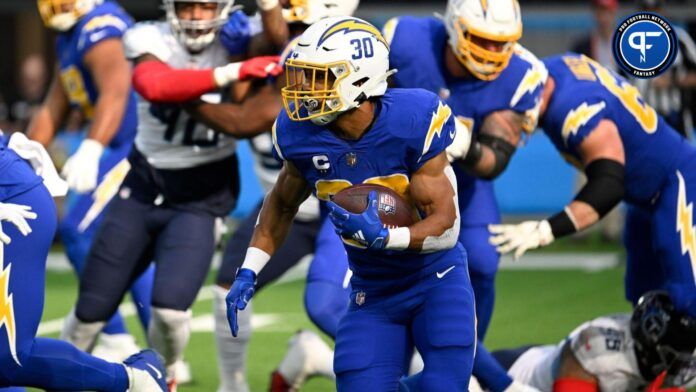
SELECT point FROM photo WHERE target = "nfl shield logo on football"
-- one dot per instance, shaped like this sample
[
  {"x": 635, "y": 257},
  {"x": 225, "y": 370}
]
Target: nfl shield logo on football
[
  {"x": 387, "y": 204},
  {"x": 360, "y": 298}
]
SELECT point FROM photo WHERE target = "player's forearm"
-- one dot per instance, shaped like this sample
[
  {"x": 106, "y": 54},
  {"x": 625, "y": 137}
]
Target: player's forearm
[
  {"x": 157, "y": 82},
  {"x": 43, "y": 126},
  {"x": 108, "y": 113},
  {"x": 273, "y": 225},
  {"x": 275, "y": 29}
]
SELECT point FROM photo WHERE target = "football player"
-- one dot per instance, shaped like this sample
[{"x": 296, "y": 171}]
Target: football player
[
  {"x": 326, "y": 292},
  {"x": 29, "y": 222},
  {"x": 600, "y": 123},
  {"x": 93, "y": 75},
  {"x": 649, "y": 350},
  {"x": 410, "y": 285},
  {"x": 183, "y": 176},
  {"x": 472, "y": 60}
]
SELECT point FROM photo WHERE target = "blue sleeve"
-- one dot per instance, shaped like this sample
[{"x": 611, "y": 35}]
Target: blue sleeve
[
  {"x": 100, "y": 28},
  {"x": 434, "y": 132},
  {"x": 582, "y": 120}
]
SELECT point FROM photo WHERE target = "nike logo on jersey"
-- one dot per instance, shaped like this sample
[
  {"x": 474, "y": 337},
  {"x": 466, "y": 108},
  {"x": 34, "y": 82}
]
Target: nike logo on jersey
[
  {"x": 98, "y": 35},
  {"x": 158, "y": 374},
  {"x": 452, "y": 133},
  {"x": 442, "y": 274}
]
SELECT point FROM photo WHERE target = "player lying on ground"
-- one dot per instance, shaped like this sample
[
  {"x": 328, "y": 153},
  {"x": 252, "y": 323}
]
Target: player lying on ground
[
  {"x": 600, "y": 123},
  {"x": 651, "y": 350},
  {"x": 410, "y": 284},
  {"x": 28, "y": 217},
  {"x": 183, "y": 177},
  {"x": 472, "y": 60},
  {"x": 93, "y": 75}
]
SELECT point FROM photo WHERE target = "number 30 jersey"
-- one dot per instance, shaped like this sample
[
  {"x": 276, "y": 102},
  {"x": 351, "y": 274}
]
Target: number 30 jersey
[
  {"x": 167, "y": 135},
  {"x": 411, "y": 126},
  {"x": 586, "y": 93}
]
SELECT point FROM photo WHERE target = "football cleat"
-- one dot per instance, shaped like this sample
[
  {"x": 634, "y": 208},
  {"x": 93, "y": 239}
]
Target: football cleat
[
  {"x": 307, "y": 356},
  {"x": 145, "y": 372}
]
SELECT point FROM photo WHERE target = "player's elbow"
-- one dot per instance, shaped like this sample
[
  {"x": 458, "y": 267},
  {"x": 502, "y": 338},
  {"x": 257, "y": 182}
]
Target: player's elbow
[{"x": 444, "y": 237}]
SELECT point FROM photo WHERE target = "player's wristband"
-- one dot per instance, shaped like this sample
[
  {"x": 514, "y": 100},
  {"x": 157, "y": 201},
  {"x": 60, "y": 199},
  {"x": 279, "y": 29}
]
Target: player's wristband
[
  {"x": 474, "y": 154},
  {"x": 255, "y": 259},
  {"x": 399, "y": 238},
  {"x": 562, "y": 224},
  {"x": 265, "y": 5}
]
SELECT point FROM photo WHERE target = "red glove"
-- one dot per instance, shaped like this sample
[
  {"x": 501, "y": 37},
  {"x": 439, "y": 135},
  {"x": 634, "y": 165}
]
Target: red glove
[
  {"x": 657, "y": 383},
  {"x": 260, "y": 68}
]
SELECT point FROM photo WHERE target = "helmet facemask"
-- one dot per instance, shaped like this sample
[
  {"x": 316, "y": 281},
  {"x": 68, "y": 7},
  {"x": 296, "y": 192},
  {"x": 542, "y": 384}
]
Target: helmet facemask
[
  {"x": 314, "y": 87},
  {"x": 62, "y": 15},
  {"x": 484, "y": 64},
  {"x": 197, "y": 34}
]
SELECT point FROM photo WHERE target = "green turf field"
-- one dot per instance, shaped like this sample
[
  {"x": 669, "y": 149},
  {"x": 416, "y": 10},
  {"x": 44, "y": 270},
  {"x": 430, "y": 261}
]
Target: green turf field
[{"x": 531, "y": 307}]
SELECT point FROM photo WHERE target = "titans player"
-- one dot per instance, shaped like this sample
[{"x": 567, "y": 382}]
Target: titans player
[
  {"x": 28, "y": 217},
  {"x": 599, "y": 122},
  {"x": 341, "y": 126},
  {"x": 492, "y": 84},
  {"x": 93, "y": 75}
]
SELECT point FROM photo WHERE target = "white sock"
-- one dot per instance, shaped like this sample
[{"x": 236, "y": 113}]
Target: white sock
[
  {"x": 79, "y": 333},
  {"x": 169, "y": 332},
  {"x": 231, "y": 351}
]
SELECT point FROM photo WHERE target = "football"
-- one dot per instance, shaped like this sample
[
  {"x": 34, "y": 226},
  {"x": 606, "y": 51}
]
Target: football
[{"x": 394, "y": 211}]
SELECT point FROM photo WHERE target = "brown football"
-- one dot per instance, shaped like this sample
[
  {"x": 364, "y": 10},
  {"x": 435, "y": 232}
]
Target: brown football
[{"x": 394, "y": 211}]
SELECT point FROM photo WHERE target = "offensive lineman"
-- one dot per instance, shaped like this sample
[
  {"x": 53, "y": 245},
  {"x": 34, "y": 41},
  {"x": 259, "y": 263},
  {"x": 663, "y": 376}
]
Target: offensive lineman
[
  {"x": 183, "y": 176},
  {"x": 600, "y": 123},
  {"x": 472, "y": 60},
  {"x": 410, "y": 283}
]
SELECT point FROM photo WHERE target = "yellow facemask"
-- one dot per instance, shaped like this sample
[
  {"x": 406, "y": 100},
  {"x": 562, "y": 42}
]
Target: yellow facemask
[
  {"x": 314, "y": 86},
  {"x": 483, "y": 63}
]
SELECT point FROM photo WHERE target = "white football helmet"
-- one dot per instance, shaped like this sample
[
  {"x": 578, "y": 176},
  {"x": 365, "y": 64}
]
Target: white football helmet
[
  {"x": 62, "y": 15},
  {"x": 470, "y": 23},
  {"x": 336, "y": 65},
  {"x": 310, "y": 11},
  {"x": 196, "y": 35}
]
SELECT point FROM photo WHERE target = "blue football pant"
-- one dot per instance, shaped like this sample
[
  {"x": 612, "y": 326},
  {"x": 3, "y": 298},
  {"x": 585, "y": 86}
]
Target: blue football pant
[
  {"x": 132, "y": 235},
  {"x": 78, "y": 227},
  {"x": 374, "y": 340},
  {"x": 660, "y": 244},
  {"x": 24, "y": 359}
]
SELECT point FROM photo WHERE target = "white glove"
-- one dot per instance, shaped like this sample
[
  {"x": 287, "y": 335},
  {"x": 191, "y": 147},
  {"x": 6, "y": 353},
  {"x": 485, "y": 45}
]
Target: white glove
[
  {"x": 37, "y": 156},
  {"x": 461, "y": 143},
  {"x": 17, "y": 215},
  {"x": 520, "y": 237},
  {"x": 517, "y": 386},
  {"x": 82, "y": 168}
]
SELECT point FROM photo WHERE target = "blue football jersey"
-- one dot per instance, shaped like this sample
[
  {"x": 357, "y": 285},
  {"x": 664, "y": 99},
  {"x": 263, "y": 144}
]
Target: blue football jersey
[
  {"x": 417, "y": 52},
  {"x": 16, "y": 175},
  {"x": 411, "y": 127},
  {"x": 586, "y": 93},
  {"x": 105, "y": 21}
]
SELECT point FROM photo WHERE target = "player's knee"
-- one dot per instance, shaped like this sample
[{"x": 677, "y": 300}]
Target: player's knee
[{"x": 325, "y": 304}]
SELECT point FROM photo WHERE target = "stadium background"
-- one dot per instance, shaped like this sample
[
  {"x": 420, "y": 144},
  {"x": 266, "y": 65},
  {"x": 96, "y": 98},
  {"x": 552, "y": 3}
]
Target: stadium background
[{"x": 540, "y": 299}]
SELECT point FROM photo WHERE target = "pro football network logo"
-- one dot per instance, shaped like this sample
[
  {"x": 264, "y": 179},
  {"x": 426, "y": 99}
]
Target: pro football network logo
[{"x": 645, "y": 45}]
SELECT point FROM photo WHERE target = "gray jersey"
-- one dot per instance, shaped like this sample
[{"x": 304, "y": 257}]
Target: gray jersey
[
  {"x": 267, "y": 170},
  {"x": 603, "y": 346},
  {"x": 167, "y": 135}
]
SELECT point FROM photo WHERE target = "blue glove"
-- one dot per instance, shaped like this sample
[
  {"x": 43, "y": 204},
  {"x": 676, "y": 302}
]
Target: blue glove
[
  {"x": 236, "y": 34},
  {"x": 366, "y": 228},
  {"x": 239, "y": 296}
]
